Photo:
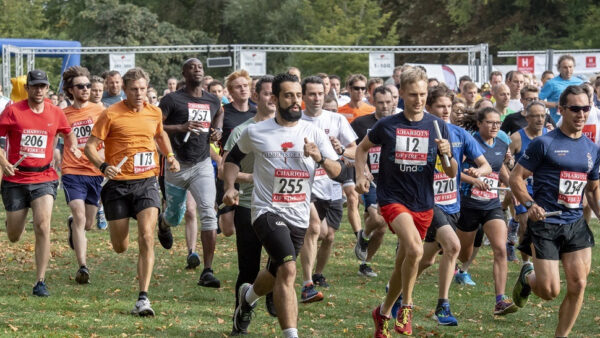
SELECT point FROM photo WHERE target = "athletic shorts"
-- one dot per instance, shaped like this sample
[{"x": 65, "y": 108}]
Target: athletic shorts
[
  {"x": 370, "y": 197},
  {"x": 332, "y": 211},
  {"x": 440, "y": 218},
  {"x": 551, "y": 240},
  {"x": 478, "y": 237},
  {"x": 471, "y": 219},
  {"x": 422, "y": 219},
  {"x": 18, "y": 196},
  {"x": 281, "y": 241},
  {"x": 123, "y": 199},
  {"x": 81, "y": 187},
  {"x": 351, "y": 178},
  {"x": 3, "y": 143}
]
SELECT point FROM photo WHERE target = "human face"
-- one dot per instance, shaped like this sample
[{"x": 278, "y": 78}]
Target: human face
[
  {"x": 456, "y": 116},
  {"x": 54, "y": 99},
  {"x": 335, "y": 84},
  {"x": 574, "y": 121},
  {"x": 37, "y": 93},
  {"x": 327, "y": 85},
  {"x": 489, "y": 127},
  {"x": 415, "y": 96},
  {"x": 547, "y": 77},
  {"x": 263, "y": 99},
  {"x": 313, "y": 98},
  {"x": 470, "y": 95},
  {"x": 384, "y": 104},
  {"x": 80, "y": 89},
  {"x": 96, "y": 92},
  {"x": 240, "y": 89},
  {"x": 332, "y": 106},
  {"x": 136, "y": 93},
  {"x": 193, "y": 73},
  {"x": 432, "y": 84},
  {"x": 502, "y": 96},
  {"x": 289, "y": 101},
  {"x": 536, "y": 118},
  {"x": 516, "y": 84},
  {"x": 566, "y": 68},
  {"x": 357, "y": 91},
  {"x": 529, "y": 97},
  {"x": 114, "y": 84},
  {"x": 172, "y": 85},
  {"x": 395, "y": 95},
  {"x": 496, "y": 79},
  {"x": 152, "y": 97},
  {"x": 396, "y": 76},
  {"x": 217, "y": 90},
  {"x": 442, "y": 107}
]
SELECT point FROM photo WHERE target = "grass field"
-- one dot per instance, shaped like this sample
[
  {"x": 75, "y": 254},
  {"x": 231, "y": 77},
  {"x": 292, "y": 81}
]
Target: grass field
[{"x": 186, "y": 309}]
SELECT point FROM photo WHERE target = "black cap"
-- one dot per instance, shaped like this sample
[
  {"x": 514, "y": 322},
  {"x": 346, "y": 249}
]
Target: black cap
[{"x": 36, "y": 76}]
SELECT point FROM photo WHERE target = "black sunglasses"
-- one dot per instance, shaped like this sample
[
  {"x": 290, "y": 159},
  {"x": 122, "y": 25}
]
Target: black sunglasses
[
  {"x": 577, "y": 109},
  {"x": 359, "y": 88},
  {"x": 82, "y": 86}
]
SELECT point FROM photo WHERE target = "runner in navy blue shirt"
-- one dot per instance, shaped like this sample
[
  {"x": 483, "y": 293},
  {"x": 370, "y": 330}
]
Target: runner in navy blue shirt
[
  {"x": 564, "y": 165},
  {"x": 480, "y": 205},
  {"x": 409, "y": 148}
]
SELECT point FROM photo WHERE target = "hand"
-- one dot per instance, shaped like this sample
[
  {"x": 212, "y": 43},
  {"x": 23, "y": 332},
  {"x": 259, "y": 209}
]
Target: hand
[
  {"x": 215, "y": 135},
  {"x": 311, "y": 149},
  {"x": 473, "y": 172},
  {"x": 362, "y": 185},
  {"x": 231, "y": 197},
  {"x": 549, "y": 126},
  {"x": 8, "y": 169},
  {"x": 111, "y": 171},
  {"x": 536, "y": 213},
  {"x": 337, "y": 145},
  {"x": 192, "y": 126},
  {"x": 444, "y": 147},
  {"x": 76, "y": 152},
  {"x": 369, "y": 176},
  {"x": 481, "y": 185},
  {"x": 173, "y": 164},
  {"x": 509, "y": 159}
]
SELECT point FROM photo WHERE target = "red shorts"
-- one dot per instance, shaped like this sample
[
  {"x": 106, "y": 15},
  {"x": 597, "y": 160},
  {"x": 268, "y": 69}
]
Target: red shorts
[{"x": 421, "y": 219}]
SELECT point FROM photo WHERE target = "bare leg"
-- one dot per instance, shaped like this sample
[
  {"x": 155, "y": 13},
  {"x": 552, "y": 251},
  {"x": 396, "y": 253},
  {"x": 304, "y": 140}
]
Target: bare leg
[
  {"x": 495, "y": 230},
  {"x": 42, "y": 213},
  {"x": 577, "y": 266},
  {"x": 308, "y": 251},
  {"x": 352, "y": 204},
  {"x": 146, "y": 222}
]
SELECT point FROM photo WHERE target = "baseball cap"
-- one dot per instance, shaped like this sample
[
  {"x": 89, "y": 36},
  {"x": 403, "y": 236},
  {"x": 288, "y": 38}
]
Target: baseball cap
[{"x": 36, "y": 76}]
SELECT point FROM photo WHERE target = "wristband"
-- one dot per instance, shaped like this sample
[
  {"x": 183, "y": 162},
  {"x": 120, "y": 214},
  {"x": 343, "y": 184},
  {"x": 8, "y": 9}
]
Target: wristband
[
  {"x": 170, "y": 154},
  {"x": 322, "y": 160},
  {"x": 219, "y": 130},
  {"x": 103, "y": 167}
]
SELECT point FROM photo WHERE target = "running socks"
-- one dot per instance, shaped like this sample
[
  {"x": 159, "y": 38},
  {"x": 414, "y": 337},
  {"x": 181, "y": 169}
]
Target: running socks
[
  {"x": 499, "y": 298},
  {"x": 251, "y": 296},
  {"x": 290, "y": 333}
]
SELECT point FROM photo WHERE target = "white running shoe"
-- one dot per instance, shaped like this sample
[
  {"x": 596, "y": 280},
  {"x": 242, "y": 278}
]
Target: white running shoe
[{"x": 142, "y": 308}]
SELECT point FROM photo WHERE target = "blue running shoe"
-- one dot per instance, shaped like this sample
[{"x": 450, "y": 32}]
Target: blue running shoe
[
  {"x": 463, "y": 278},
  {"x": 396, "y": 305},
  {"x": 101, "y": 219},
  {"x": 193, "y": 260},
  {"x": 444, "y": 316}
]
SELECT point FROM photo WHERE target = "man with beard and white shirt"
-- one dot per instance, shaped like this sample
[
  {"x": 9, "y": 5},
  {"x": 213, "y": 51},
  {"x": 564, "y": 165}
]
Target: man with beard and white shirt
[
  {"x": 326, "y": 199},
  {"x": 287, "y": 152}
]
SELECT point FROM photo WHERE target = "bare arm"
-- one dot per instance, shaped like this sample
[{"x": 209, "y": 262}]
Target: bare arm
[
  {"x": 592, "y": 193},
  {"x": 362, "y": 150},
  {"x": 71, "y": 144},
  {"x": 519, "y": 191},
  {"x": 241, "y": 177}
]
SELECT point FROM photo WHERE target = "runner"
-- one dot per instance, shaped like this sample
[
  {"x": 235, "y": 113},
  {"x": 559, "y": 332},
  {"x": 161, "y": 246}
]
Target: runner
[
  {"x": 480, "y": 204},
  {"x": 564, "y": 165},
  {"x": 132, "y": 129},
  {"x": 357, "y": 87},
  {"x": 192, "y": 119},
  {"x": 409, "y": 147},
  {"x": 30, "y": 127},
  {"x": 283, "y": 176},
  {"x": 80, "y": 179}
]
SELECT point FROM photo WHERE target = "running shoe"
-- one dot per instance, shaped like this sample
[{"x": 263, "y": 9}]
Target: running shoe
[
  {"x": 403, "y": 323},
  {"x": 444, "y": 316},
  {"x": 243, "y": 312},
  {"x": 320, "y": 280},
  {"x": 83, "y": 275},
  {"x": 522, "y": 290},
  {"x": 360, "y": 249},
  {"x": 101, "y": 222},
  {"x": 511, "y": 254},
  {"x": 193, "y": 261},
  {"x": 505, "y": 306},
  {"x": 463, "y": 278},
  {"x": 164, "y": 233},
  {"x": 365, "y": 270},
  {"x": 70, "y": 227},
  {"x": 310, "y": 294},
  {"x": 270, "y": 305},
  {"x": 382, "y": 324},
  {"x": 142, "y": 308},
  {"x": 208, "y": 279},
  {"x": 40, "y": 289}
]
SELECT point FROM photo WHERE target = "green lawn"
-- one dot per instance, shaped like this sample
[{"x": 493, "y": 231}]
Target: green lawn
[{"x": 186, "y": 309}]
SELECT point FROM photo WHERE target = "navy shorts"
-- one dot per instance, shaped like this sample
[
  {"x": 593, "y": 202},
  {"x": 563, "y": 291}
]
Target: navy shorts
[
  {"x": 370, "y": 197},
  {"x": 82, "y": 187}
]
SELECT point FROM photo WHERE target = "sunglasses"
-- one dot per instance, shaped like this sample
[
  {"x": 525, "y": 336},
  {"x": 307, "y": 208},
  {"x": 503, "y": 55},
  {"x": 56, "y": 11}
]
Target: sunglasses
[
  {"x": 577, "y": 109},
  {"x": 359, "y": 88},
  {"x": 82, "y": 86}
]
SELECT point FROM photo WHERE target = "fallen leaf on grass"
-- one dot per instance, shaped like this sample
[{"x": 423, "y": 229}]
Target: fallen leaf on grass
[
  {"x": 220, "y": 320},
  {"x": 12, "y": 327}
]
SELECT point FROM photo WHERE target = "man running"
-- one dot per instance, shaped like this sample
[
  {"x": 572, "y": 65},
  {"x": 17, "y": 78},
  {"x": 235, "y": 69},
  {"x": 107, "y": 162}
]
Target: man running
[
  {"x": 30, "y": 127},
  {"x": 564, "y": 165},
  {"x": 409, "y": 148},
  {"x": 132, "y": 129}
]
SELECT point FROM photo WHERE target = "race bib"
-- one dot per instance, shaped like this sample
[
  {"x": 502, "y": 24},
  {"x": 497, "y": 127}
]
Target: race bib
[
  {"x": 570, "y": 189},
  {"x": 444, "y": 189},
  {"x": 374, "y": 154},
  {"x": 320, "y": 174},
  {"x": 200, "y": 112},
  {"x": 34, "y": 143},
  {"x": 589, "y": 130},
  {"x": 143, "y": 162},
  {"x": 290, "y": 187},
  {"x": 83, "y": 130},
  {"x": 482, "y": 195},
  {"x": 411, "y": 146}
]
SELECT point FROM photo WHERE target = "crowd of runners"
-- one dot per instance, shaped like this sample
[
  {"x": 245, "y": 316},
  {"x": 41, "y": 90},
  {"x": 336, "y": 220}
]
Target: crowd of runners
[{"x": 274, "y": 160}]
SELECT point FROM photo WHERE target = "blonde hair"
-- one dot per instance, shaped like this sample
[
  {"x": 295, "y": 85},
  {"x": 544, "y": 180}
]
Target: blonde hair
[{"x": 234, "y": 76}]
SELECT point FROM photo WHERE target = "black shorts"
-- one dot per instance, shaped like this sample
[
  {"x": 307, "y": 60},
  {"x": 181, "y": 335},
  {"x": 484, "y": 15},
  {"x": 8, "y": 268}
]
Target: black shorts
[
  {"x": 332, "y": 211},
  {"x": 471, "y": 219},
  {"x": 351, "y": 177},
  {"x": 440, "y": 218},
  {"x": 551, "y": 240},
  {"x": 18, "y": 196},
  {"x": 478, "y": 237},
  {"x": 123, "y": 199},
  {"x": 281, "y": 241}
]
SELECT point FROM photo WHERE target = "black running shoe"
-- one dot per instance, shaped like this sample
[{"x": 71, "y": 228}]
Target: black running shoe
[
  {"x": 208, "y": 279},
  {"x": 243, "y": 312},
  {"x": 320, "y": 280},
  {"x": 83, "y": 275},
  {"x": 40, "y": 290},
  {"x": 165, "y": 236},
  {"x": 270, "y": 305}
]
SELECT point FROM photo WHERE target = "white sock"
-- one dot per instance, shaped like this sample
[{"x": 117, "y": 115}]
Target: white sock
[
  {"x": 306, "y": 282},
  {"x": 290, "y": 333},
  {"x": 364, "y": 235},
  {"x": 251, "y": 296}
]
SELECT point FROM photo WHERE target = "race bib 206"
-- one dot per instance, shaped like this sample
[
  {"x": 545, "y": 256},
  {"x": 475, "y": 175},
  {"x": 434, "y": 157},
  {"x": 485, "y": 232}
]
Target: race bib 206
[{"x": 34, "y": 143}]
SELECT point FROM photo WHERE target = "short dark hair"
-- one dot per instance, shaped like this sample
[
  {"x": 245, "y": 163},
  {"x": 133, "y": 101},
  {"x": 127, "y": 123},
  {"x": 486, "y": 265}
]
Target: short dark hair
[
  {"x": 211, "y": 84},
  {"x": 261, "y": 81},
  {"x": 470, "y": 120},
  {"x": 529, "y": 89},
  {"x": 546, "y": 72},
  {"x": 511, "y": 74},
  {"x": 437, "y": 92},
  {"x": 381, "y": 90},
  {"x": 465, "y": 78},
  {"x": 281, "y": 78},
  {"x": 312, "y": 79},
  {"x": 112, "y": 73},
  {"x": 570, "y": 90},
  {"x": 495, "y": 73},
  {"x": 333, "y": 76}
]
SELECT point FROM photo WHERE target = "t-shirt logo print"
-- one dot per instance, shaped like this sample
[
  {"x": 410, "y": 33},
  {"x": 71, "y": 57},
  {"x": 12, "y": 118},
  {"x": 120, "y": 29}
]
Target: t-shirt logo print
[{"x": 285, "y": 146}]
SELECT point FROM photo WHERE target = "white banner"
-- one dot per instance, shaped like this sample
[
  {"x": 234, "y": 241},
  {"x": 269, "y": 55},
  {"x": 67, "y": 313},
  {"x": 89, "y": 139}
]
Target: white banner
[
  {"x": 536, "y": 64},
  {"x": 121, "y": 62},
  {"x": 381, "y": 64},
  {"x": 255, "y": 62}
]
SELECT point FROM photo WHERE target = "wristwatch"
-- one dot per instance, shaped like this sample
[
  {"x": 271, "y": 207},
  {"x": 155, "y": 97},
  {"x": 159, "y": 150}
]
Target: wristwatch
[
  {"x": 343, "y": 150},
  {"x": 528, "y": 204}
]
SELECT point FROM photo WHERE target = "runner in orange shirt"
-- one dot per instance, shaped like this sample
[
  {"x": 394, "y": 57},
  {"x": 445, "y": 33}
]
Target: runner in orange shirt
[{"x": 357, "y": 87}]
